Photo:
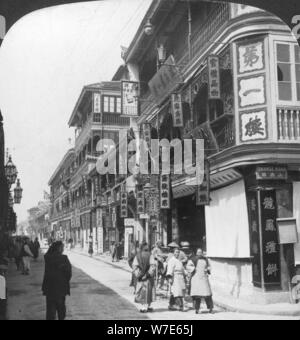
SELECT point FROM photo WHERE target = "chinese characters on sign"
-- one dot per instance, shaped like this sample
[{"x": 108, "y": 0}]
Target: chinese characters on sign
[
  {"x": 271, "y": 255},
  {"x": 177, "y": 111},
  {"x": 97, "y": 103},
  {"x": 251, "y": 87},
  {"x": 146, "y": 129},
  {"x": 271, "y": 173},
  {"x": 255, "y": 239},
  {"x": 253, "y": 125},
  {"x": 203, "y": 190},
  {"x": 252, "y": 91},
  {"x": 130, "y": 98},
  {"x": 251, "y": 57},
  {"x": 214, "y": 88},
  {"x": 165, "y": 192}
]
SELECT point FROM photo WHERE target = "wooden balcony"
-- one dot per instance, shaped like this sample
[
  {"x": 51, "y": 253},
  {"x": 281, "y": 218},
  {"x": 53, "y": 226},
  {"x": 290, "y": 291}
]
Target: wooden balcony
[{"x": 288, "y": 120}]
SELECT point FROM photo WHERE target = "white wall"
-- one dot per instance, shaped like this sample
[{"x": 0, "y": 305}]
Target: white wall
[{"x": 227, "y": 226}]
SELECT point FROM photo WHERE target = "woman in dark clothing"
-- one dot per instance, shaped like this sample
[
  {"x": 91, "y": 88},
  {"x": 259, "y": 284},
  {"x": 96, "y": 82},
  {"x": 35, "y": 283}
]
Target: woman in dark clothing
[
  {"x": 56, "y": 284},
  {"x": 36, "y": 249}
]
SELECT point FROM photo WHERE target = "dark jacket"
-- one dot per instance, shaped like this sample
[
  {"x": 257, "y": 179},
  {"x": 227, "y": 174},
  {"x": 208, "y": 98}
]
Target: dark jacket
[{"x": 58, "y": 273}]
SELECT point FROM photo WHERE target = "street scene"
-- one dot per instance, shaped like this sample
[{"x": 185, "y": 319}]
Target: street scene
[{"x": 150, "y": 162}]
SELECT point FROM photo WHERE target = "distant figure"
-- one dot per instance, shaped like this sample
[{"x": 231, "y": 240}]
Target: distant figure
[
  {"x": 36, "y": 249},
  {"x": 18, "y": 253},
  {"x": 56, "y": 284},
  {"x": 91, "y": 250},
  {"x": 26, "y": 257},
  {"x": 113, "y": 252},
  {"x": 70, "y": 243}
]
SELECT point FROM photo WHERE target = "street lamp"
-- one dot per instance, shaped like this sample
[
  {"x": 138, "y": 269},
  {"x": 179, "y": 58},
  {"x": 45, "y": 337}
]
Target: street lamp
[
  {"x": 11, "y": 172},
  {"x": 149, "y": 28},
  {"x": 18, "y": 193}
]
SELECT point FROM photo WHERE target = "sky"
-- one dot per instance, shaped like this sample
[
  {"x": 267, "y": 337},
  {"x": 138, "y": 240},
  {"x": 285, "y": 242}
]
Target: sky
[{"x": 45, "y": 60}]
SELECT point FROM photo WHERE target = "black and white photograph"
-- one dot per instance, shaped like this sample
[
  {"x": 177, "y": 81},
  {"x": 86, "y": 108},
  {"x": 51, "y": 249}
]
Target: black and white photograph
[{"x": 149, "y": 162}]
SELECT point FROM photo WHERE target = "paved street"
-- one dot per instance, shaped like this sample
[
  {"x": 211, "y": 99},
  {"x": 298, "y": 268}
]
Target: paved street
[{"x": 99, "y": 292}]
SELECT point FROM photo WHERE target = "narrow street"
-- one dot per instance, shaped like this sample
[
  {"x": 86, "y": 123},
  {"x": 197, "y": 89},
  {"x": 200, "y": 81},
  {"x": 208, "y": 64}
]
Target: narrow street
[{"x": 100, "y": 291}]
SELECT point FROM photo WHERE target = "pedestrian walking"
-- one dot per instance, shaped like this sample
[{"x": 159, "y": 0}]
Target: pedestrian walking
[
  {"x": 200, "y": 270},
  {"x": 56, "y": 283},
  {"x": 91, "y": 250},
  {"x": 36, "y": 249},
  {"x": 134, "y": 251},
  {"x": 18, "y": 253},
  {"x": 144, "y": 271},
  {"x": 113, "y": 252},
  {"x": 176, "y": 275},
  {"x": 26, "y": 257}
]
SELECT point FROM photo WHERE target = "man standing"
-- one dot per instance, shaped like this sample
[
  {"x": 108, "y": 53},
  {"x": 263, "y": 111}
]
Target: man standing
[{"x": 56, "y": 284}]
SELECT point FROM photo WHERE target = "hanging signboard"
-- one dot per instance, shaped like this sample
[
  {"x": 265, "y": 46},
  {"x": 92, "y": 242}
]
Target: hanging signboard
[
  {"x": 177, "y": 110},
  {"x": 165, "y": 192},
  {"x": 203, "y": 190},
  {"x": 214, "y": 87},
  {"x": 270, "y": 244},
  {"x": 271, "y": 173},
  {"x": 255, "y": 238},
  {"x": 140, "y": 198},
  {"x": 130, "y": 98},
  {"x": 146, "y": 131},
  {"x": 165, "y": 81},
  {"x": 124, "y": 204},
  {"x": 97, "y": 103}
]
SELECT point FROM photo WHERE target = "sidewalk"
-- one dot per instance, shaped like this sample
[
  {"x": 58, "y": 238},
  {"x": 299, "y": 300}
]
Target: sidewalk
[{"x": 227, "y": 304}]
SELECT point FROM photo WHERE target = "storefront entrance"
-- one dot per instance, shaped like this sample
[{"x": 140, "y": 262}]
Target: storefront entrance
[{"x": 191, "y": 222}]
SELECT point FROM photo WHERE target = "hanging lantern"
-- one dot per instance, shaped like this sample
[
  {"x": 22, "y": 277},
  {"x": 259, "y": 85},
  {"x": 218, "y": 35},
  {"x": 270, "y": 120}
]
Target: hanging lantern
[
  {"x": 11, "y": 172},
  {"x": 161, "y": 53},
  {"x": 18, "y": 193},
  {"x": 149, "y": 28}
]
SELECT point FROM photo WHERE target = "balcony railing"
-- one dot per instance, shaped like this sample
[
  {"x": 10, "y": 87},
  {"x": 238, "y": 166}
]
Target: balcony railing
[{"x": 288, "y": 124}]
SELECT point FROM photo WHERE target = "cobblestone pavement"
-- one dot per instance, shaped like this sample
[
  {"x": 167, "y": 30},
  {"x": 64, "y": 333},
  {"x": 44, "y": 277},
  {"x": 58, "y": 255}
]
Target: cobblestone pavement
[{"x": 99, "y": 292}]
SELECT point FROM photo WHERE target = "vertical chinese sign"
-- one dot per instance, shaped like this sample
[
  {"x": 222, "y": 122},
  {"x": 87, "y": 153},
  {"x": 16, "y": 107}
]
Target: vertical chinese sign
[
  {"x": 270, "y": 245},
  {"x": 255, "y": 238},
  {"x": 130, "y": 98},
  {"x": 252, "y": 90},
  {"x": 177, "y": 110},
  {"x": 214, "y": 87},
  {"x": 203, "y": 190}
]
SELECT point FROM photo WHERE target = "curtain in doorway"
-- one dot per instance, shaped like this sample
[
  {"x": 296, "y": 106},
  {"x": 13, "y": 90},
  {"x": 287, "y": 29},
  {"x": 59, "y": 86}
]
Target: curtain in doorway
[
  {"x": 296, "y": 200},
  {"x": 227, "y": 226}
]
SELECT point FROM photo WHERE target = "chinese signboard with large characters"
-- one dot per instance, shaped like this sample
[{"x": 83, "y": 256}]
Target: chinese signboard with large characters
[
  {"x": 253, "y": 125},
  {"x": 252, "y": 90},
  {"x": 130, "y": 98},
  {"x": 214, "y": 87},
  {"x": 271, "y": 248}
]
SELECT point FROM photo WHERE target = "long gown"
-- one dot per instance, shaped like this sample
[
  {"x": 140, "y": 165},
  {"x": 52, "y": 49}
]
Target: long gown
[{"x": 177, "y": 272}]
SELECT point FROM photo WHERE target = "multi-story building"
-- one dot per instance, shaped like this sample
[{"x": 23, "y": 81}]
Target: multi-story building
[
  {"x": 61, "y": 200},
  {"x": 228, "y": 74},
  {"x": 76, "y": 184}
]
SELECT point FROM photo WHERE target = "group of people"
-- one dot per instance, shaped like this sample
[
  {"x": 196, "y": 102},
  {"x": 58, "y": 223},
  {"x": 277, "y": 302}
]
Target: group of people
[
  {"x": 24, "y": 250},
  {"x": 186, "y": 273}
]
